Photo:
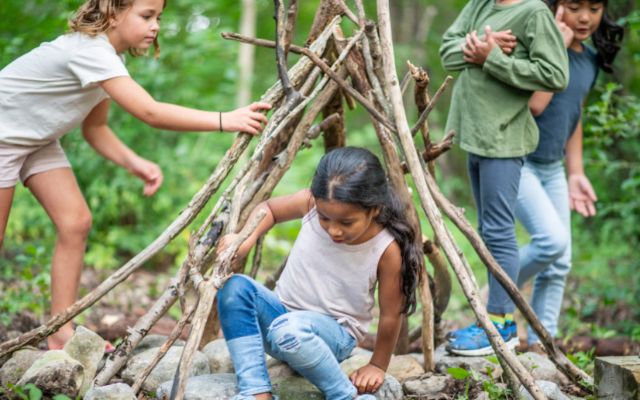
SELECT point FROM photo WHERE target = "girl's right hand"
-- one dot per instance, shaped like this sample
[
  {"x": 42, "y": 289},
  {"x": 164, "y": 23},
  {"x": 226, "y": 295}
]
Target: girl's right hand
[
  {"x": 567, "y": 33},
  {"x": 226, "y": 240},
  {"x": 247, "y": 119}
]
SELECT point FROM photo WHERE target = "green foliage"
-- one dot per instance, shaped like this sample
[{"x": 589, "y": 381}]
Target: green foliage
[
  {"x": 24, "y": 283},
  {"x": 29, "y": 392},
  {"x": 583, "y": 360}
]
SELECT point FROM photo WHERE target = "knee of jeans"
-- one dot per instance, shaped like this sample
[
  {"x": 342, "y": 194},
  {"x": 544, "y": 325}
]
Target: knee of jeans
[
  {"x": 233, "y": 291},
  {"x": 551, "y": 246},
  {"x": 285, "y": 335}
]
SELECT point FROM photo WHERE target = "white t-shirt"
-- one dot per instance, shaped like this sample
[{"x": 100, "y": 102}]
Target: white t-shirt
[{"x": 50, "y": 90}]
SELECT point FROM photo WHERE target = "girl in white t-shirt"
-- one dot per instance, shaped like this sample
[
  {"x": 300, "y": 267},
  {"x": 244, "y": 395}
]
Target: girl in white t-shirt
[{"x": 69, "y": 82}]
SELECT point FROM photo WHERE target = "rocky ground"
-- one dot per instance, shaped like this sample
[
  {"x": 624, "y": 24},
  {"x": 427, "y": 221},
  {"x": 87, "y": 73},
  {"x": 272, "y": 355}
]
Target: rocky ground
[{"x": 213, "y": 372}]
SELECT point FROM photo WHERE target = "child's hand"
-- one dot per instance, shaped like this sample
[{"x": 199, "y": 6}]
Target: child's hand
[
  {"x": 226, "y": 240},
  {"x": 475, "y": 50},
  {"x": 582, "y": 197},
  {"x": 504, "y": 39},
  {"x": 567, "y": 33},
  {"x": 367, "y": 379},
  {"x": 247, "y": 119},
  {"x": 149, "y": 172}
]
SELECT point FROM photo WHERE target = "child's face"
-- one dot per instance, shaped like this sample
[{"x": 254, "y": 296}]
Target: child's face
[
  {"x": 137, "y": 26},
  {"x": 583, "y": 17},
  {"x": 346, "y": 223}
]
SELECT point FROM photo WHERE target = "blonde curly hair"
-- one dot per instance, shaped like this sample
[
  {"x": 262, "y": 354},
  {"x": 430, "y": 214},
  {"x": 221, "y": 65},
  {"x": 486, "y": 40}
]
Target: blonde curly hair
[{"x": 94, "y": 17}]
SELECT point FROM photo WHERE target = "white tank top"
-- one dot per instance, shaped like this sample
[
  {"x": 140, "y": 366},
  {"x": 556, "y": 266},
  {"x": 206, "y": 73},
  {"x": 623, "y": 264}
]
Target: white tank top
[{"x": 334, "y": 279}]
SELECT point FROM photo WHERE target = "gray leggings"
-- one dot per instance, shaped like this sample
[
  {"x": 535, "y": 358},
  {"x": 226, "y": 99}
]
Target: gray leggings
[{"x": 495, "y": 182}]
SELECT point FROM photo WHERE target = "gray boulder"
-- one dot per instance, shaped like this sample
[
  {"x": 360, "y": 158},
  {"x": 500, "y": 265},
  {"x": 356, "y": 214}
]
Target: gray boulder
[
  {"x": 428, "y": 386},
  {"x": 55, "y": 372},
  {"x": 550, "y": 389},
  {"x": 87, "y": 348},
  {"x": 118, "y": 391},
  {"x": 152, "y": 341},
  {"x": 203, "y": 387},
  {"x": 166, "y": 368},
  {"x": 542, "y": 368},
  {"x": 17, "y": 365},
  {"x": 218, "y": 355}
]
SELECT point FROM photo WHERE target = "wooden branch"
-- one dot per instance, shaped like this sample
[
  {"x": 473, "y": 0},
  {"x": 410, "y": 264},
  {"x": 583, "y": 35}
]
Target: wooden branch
[
  {"x": 282, "y": 47},
  {"x": 422, "y": 99},
  {"x": 436, "y": 150},
  {"x": 257, "y": 258},
  {"x": 434, "y": 101},
  {"x": 270, "y": 282},
  {"x": 328, "y": 10},
  {"x": 289, "y": 31},
  {"x": 162, "y": 351},
  {"x": 326, "y": 69},
  {"x": 316, "y": 130},
  {"x": 428, "y": 204},
  {"x": 456, "y": 215},
  {"x": 210, "y": 289}
]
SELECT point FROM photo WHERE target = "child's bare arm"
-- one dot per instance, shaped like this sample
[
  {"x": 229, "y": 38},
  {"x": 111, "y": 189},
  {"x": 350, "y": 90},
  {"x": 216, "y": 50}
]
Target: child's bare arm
[
  {"x": 279, "y": 209},
  {"x": 369, "y": 378},
  {"x": 135, "y": 100},
  {"x": 582, "y": 197},
  {"x": 98, "y": 134},
  {"x": 539, "y": 102}
]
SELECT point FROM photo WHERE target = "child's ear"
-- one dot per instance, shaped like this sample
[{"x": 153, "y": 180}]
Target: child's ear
[{"x": 376, "y": 212}]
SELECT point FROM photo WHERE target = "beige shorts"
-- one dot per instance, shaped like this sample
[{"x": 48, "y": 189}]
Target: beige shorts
[{"x": 20, "y": 162}]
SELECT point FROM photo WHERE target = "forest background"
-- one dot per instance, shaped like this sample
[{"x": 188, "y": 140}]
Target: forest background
[{"x": 198, "y": 68}]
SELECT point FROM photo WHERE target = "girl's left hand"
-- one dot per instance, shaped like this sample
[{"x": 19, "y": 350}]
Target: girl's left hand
[
  {"x": 582, "y": 197},
  {"x": 367, "y": 379},
  {"x": 149, "y": 172},
  {"x": 475, "y": 50}
]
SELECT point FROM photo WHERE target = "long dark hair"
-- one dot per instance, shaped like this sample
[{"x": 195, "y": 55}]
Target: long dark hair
[
  {"x": 354, "y": 175},
  {"x": 606, "y": 38}
]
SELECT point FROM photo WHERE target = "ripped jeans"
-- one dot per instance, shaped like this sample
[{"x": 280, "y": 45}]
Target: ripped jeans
[{"x": 254, "y": 321}]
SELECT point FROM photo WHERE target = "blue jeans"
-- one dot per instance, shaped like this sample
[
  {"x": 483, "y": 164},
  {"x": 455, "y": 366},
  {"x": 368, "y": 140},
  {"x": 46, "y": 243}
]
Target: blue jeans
[
  {"x": 543, "y": 209},
  {"x": 254, "y": 321},
  {"x": 494, "y": 182}
]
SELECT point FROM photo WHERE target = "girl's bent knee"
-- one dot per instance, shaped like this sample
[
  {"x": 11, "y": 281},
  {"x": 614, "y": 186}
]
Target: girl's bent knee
[
  {"x": 235, "y": 288},
  {"x": 284, "y": 335}
]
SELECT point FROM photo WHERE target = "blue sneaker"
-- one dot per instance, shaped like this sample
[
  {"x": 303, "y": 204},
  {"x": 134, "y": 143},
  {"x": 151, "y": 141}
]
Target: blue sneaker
[
  {"x": 475, "y": 327},
  {"x": 469, "y": 330},
  {"x": 476, "y": 343}
]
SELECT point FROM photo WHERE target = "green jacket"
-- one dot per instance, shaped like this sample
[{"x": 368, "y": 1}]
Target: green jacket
[{"x": 489, "y": 108}]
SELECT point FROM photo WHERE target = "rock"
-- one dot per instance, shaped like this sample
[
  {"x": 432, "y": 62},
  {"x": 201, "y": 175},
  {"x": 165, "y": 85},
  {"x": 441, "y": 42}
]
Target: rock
[
  {"x": 55, "y": 372},
  {"x": 354, "y": 362},
  {"x": 542, "y": 368},
  {"x": 391, "y": 389},
  {"x": 166, "y": 368},
  {"x": 427, "y": 387},
  {"x": 222, "y": 386},
  {"x": 550, "y": 389},
  {"x": 618, "y": 377},
  {"x": 218, "y": 355},
  {"x": 118, "y": 391},
  {"x": 17, "y": 365},
  {"x": 278, "y": 369},
  {"x": 87, "y": 348},
  {"x": 404, "y": 367},
  {"x": 151, "y": 341},
  {"x": 203, "y": 387}
]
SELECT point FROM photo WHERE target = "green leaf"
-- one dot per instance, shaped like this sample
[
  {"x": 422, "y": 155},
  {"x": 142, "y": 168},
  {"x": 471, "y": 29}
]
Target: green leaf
[{"x": 458, "y": 373}]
